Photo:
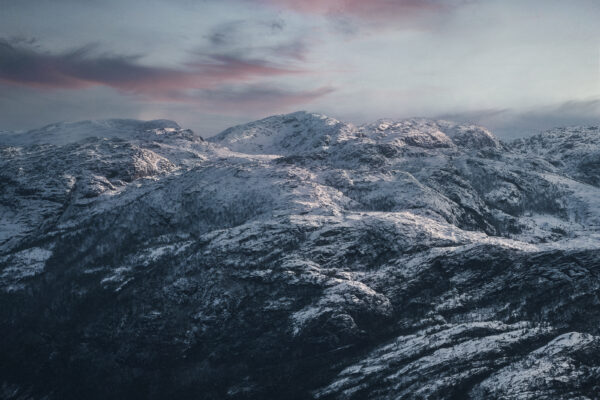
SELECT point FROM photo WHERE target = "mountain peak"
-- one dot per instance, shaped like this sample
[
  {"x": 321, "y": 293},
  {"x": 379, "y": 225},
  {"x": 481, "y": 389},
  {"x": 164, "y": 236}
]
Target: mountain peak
[
  {"x": 428, "y": 133},
  {"x": 284, "y": 134},
  {"x": 469, "y": 135}
]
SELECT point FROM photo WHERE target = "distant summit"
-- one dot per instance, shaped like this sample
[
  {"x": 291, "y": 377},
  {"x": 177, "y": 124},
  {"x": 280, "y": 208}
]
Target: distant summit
[
  {"x": 70, "y": 132},
  {"x": 299, "y": 132}
]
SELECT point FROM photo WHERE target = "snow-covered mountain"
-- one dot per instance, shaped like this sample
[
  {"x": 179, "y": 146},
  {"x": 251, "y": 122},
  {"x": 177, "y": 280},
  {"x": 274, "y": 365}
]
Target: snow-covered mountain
[
  {"x": 63, "y": 133},
  {"x": 299, "y": 257}
]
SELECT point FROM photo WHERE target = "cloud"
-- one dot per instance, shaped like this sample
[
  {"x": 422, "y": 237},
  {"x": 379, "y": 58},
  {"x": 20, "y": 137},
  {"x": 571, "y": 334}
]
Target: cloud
[
  {"x": 227, "y": 83},
  {"x": 82, "y": 68},
  {"x": 510, "y": 123},
  {"x": 373, "y": 11},
  {"x": 235, "y": 32},
  {"x": 373, "y": 7},
  {"x": 256, "y": 98},
  {"x": 275, "y": 43}
]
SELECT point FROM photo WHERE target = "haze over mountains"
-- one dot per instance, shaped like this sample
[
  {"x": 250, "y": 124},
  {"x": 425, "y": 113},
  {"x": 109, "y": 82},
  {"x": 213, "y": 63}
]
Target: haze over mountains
[{"x": 299, "y": 257}]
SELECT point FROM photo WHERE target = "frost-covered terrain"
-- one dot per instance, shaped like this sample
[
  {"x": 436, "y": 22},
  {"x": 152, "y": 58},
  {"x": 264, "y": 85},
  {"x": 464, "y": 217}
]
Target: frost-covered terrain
[{"x": 299, "y": 257}]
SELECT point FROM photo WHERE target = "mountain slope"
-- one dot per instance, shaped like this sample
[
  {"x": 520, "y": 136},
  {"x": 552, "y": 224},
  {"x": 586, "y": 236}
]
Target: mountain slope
[
  {"x": 574, "y": 150},
  {"x": 69, "y": 132},
  {"x": 298, "y": 257}
]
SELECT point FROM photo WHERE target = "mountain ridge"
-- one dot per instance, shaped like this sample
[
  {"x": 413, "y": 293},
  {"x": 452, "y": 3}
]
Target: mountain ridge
[{"x": 300, "y": 257}]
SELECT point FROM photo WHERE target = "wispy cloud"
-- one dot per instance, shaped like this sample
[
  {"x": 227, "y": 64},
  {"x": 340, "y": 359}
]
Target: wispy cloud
[
  {"x": 83, "y": 68},
  {"x": 264, "y": 39},
  {"x": 255, "y": 98},
  {"x": 373, "y": 11},
  {"x": 355, "y": 6},
  {"x": 216, "y": 81},
  {"x": 511, "y": 123}
]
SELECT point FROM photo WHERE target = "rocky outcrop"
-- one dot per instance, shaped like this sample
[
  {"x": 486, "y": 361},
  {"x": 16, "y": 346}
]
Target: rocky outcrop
[{"x": 298, "y": 257}]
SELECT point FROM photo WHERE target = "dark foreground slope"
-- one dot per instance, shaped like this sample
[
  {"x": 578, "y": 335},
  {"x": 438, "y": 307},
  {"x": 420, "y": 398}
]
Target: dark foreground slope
[{"x": 299, "y": 257}]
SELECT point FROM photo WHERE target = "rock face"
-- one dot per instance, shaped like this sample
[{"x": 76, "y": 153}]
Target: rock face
[{"x": 299, "y": 257}]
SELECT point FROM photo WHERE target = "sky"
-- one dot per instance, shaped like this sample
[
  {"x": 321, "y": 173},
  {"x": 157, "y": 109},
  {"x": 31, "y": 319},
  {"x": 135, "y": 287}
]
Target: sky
[{"x": 517, "y": 67}]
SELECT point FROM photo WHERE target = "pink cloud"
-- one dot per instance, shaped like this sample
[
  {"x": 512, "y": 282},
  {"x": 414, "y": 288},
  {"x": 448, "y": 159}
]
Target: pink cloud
[
  {"x": 216, "y": 82},
  {"x": 79, "y": 69},
  {"x": 367, "y": 10}
]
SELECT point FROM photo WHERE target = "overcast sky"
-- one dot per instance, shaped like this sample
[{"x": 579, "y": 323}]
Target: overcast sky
[{"x": 514, "y": 66}]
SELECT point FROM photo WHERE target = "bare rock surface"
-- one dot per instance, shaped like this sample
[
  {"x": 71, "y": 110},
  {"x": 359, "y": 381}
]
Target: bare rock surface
[{"x": 299, "y": 257}]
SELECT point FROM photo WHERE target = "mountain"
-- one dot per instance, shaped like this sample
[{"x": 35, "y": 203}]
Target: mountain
[
  {"x": 63, "y": 133},
  {"x": 299, "y": 257}
]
